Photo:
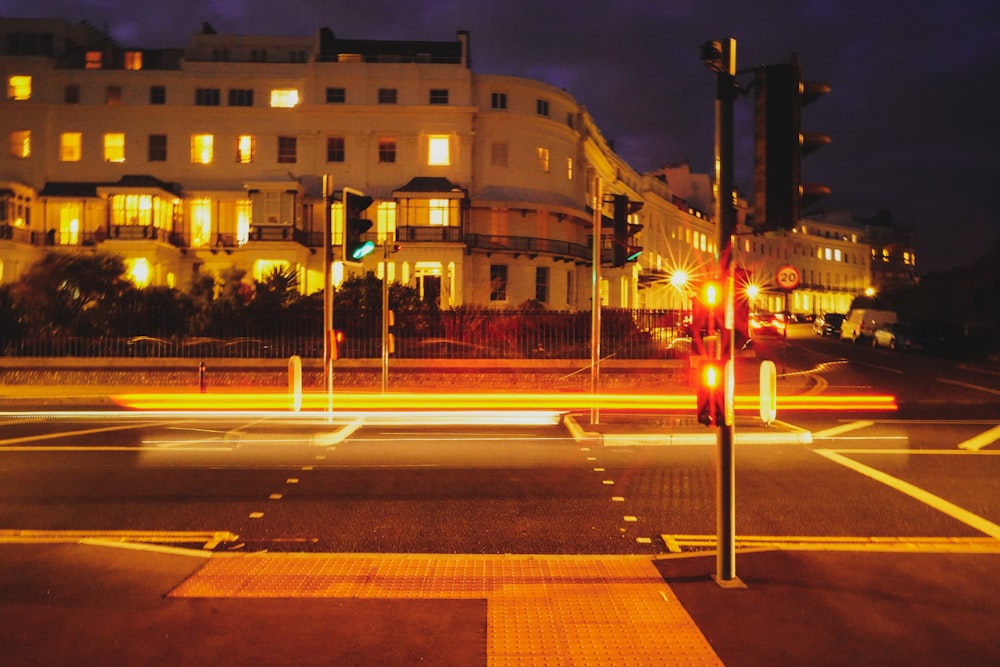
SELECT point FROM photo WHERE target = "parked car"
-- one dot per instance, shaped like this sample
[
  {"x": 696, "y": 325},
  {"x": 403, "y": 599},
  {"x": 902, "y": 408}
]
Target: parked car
[
  {"x": 828, "y": 324},
  {"x": 899, "y": 336},
  {"x": 861, "y": 323}
]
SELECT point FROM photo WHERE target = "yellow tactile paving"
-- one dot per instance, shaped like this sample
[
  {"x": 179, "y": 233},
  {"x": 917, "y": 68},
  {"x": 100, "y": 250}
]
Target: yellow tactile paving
[{"x": 542, "y": 610}]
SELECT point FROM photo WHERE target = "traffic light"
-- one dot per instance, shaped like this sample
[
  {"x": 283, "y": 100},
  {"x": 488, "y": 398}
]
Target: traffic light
[
  {"x": 355, "y": 225},
  {"x": 710, "y": 394},
  {"x": 779, "y": 144},
  {"x": 621, "y": 251}
]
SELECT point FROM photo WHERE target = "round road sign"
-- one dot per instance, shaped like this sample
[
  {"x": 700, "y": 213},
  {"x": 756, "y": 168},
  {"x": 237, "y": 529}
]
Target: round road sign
[{"x": 788, "y": 277}]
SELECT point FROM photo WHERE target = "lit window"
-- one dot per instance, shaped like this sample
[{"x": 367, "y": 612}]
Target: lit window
[
  {"x": 132, "y": 210},
  {"x": 543, "y": 159},
  {"x": 385, "y": 220},
  {"x": 244, "y": 148},
  {"x": 70, "y": 146},
  {"x": 114, "y": 147},
  {"x": 244, "y": 213},
  {"x": 438, "y": 212},
  {"x": 837, "y": 255},
  {"x": 569, "y": 169},
  {"x": 885, "y": 254},
  {"x": 69, "y": 223},
  {"x": 439, "y": 151},
  {"x": 285, "y": 98},
  {"x": 827, "y": 254},
  {"x": 201, "y": 222},
  {"x": 138, "y": 271},
  {"x": 202, "y": 148},
  {"x": 133, "y": 60},
  {"x": 95, "y": 60},
  {"x": 19, "y": 87},
  {"x": 20, "y": 143}
]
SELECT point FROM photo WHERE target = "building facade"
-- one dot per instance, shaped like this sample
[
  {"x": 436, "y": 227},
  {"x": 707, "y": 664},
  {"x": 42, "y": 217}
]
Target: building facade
[{"x": 231, "y": 151}]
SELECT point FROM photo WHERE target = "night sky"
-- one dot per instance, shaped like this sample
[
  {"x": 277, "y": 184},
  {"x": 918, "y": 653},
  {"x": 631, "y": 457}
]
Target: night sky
[{"x": 912, "y": 114}]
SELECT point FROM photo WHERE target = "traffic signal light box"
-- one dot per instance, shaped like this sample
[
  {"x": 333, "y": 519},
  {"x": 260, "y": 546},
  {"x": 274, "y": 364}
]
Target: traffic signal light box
[
  {"x": 356, "y": 246},
  {"x": 622, "y": 251},
  {"x": 779, "y": 144}
]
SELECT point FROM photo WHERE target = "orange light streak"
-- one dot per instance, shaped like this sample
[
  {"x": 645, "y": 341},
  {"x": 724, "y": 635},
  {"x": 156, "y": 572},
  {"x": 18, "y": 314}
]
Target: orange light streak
[{"x": 251, "y": 401}]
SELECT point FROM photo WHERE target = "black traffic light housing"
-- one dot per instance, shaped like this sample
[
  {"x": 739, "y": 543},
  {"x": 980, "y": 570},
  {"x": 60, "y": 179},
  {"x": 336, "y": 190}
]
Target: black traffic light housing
[
  {"x": 622, "y": 231},
  {"x": 779, "y": 144},
  {"x": 356, "y": 246}
]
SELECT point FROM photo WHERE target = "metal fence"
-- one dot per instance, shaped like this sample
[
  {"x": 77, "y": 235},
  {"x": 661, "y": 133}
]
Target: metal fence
[{"x": 454, "y": 334}]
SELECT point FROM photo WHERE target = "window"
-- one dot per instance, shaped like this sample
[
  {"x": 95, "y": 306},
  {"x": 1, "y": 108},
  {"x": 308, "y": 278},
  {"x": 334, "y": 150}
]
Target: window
[
  {"x": 69, "y": 223},
  {"x": 94, "y": 60},
  {"x": 71, "y": 93},
  {"x": 498, "y": 154},
  {"x": 245, "y": 145},
  {"x": 542, "y": 107},
  {"x": 438, "y": 96},
  {"x": 157, "y": 149},
  {"x": 114, "y": 147},
  {"x": 542, "y": 284},
  {"x": 201, "y": 222},
  {"x": 70, "y": 146},
  {"x": 133, "y": 60},
  {"x": 386, "y": 95},
  {"x": 284, "y": 98},
  {"x": 336, "y": 95},
  {"x": 498, "y": 100},
  {"x": 20, "y": 143},
  {"x": 386, "y": 150},
  {"x": 569, "y": 169},
  {"x": 19, "y": 87},
  {"x": 241, "y": 97},
  {"x": 113, "y": 95},
  {"x": 202, "y": 148},
  {"x": 258, "y": 55},
  {"x": 335, "y": 149},
  {"x": 439, "y": 151},
  {"x": 437, "y": 212},
  {"x": 157, "y": 95},
  {"x": 287, "y": 148},
  {"x": 498, "y": 282},
  {"x": 206, "y": 97},
  {"x": 543, "y": 159}
]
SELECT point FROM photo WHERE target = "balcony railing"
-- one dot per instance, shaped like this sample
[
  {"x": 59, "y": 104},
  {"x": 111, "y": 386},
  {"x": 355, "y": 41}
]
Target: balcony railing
[{"x": 528, "y": 245}]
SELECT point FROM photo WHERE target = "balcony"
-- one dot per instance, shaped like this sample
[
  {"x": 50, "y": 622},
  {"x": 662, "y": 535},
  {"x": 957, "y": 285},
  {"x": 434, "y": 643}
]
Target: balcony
[{"x": 528, "y": 245}]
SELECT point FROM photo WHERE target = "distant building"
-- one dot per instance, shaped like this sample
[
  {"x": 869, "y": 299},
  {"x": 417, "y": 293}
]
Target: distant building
[{"x": 231, "y": 151}]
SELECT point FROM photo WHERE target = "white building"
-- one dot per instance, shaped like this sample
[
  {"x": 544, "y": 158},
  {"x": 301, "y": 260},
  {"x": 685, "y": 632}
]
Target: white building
[{"x": 231, "y": 150}]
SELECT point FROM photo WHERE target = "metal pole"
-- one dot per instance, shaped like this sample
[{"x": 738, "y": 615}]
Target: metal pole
[
  {"x": 726, "y": 216},
  {"x": 328, "y": 296},
  {"x": 385, "y": 314},
  {"x": 595, "y": 303}
]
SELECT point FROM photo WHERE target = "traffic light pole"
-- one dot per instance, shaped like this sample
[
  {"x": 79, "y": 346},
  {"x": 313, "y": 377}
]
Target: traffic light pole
[{"x": 721, "y": 58}]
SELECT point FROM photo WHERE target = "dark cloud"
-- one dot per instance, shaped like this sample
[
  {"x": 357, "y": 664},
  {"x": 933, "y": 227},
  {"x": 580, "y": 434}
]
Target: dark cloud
[{"x": 911, "y": 112}]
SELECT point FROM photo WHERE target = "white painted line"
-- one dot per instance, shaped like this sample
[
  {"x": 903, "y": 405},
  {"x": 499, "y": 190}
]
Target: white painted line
[
  {"x": 843, "y": 428},
  {"x": 981, "y": 440},
  {"x": 336, "y": 437},
  {"x": 708, "y": 438},
  {"x": 988, "y": 390},
  {"x": 937, "y": 502},
  {"x": 71, "y": 434}
]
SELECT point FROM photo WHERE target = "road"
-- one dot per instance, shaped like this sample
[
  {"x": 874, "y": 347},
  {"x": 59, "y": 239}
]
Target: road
[{"x": 924, "y": 473}]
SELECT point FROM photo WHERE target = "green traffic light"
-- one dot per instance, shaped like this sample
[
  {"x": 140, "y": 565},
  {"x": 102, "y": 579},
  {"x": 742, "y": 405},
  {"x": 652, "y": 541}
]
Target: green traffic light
[{"x": 362, "y": 250}]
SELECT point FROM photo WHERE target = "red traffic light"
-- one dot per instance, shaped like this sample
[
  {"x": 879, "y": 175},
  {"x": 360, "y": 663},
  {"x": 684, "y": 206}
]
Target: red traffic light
[{"x": 710, "y": 393}]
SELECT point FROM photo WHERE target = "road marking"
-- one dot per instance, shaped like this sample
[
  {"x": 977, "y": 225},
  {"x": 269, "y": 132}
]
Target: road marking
[
  {"x": 843, "y": 428},
  {"x": 210, "y": 539},
  {"x": 937, "y": 502},
  {"x": 981, "y": 440},
  {"x": 677, "y": 543},
  {"x": 977, "y": 387},
  {"x": 73, "y": 434}
]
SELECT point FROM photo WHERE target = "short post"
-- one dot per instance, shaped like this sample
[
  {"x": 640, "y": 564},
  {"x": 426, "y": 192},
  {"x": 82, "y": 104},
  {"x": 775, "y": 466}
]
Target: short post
[
  {"x": 295, "y": 381},
  {"x": 202, "y": 385}
]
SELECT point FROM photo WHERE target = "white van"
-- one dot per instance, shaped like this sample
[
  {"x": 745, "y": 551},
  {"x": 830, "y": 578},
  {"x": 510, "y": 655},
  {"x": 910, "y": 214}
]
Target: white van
[{"x": 862, "y": 322}]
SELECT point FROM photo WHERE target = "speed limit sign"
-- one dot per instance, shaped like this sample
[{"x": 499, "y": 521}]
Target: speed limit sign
[{"x": 788, "y": 277}]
